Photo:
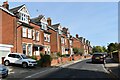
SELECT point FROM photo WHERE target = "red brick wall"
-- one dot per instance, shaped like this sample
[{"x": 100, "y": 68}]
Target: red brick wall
[
  {"x": 77, "y": 43},
  {"x": 54, "y": 62},
  {"x": 7, "y": 28},
  {"x": 19, "y": 39},
  {"x": 53, "y": 40}
]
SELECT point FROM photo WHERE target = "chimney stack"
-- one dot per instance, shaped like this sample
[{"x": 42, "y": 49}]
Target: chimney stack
[
  {"x": 5, "y": 5},
  {"x": 49, "y": 21},
  {"x": 76, "y": 35}
]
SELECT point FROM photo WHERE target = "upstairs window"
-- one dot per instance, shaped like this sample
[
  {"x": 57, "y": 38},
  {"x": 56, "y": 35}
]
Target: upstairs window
[
  {"x": 24, "y": 32},
  {"x": 44, "y": 26},
  {"x": 37, "y": 35},
  {"x": 33, "y": 34},
  {"x": 48, "y": 38},
  {"x": 23, "y": 17},
  {"x": 29, "y": 33},
  {"x": 71, "y": 42},
  {"x": 62, "y": 40},
  {"x": 45, "y": 37},
  {"x": 59, "y": 31}
]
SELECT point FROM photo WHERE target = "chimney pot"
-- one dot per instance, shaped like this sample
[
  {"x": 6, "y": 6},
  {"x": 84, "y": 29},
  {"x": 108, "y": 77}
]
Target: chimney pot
[
  {"x": 49, "y": 21},
  {"x": 76, "y": 35},
  {"x": 5, "y": 5}
]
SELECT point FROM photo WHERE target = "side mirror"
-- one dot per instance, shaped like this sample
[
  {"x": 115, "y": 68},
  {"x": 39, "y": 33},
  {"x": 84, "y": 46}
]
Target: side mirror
[{"x": 20, "y": 58}]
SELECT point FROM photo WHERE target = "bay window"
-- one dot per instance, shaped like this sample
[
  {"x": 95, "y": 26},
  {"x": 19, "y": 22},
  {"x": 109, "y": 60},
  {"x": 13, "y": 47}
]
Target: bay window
[{"x": 29, "y": 50}]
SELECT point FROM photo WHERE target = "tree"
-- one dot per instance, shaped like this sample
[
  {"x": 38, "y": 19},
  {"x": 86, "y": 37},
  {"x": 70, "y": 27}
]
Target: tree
[
  {"x": 97, "y": 49},
  {"x": 78, "y": 51},
  {"x": 104, "y": 49},
  {"x": 113, "y": 47}
]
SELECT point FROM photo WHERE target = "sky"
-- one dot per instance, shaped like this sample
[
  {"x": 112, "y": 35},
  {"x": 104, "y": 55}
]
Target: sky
[{"x": 95, "y": 21}]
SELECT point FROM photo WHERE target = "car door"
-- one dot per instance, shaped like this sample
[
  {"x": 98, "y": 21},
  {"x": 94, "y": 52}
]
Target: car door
[
  {"x": 18, "y": 59},
  {"x": 11, "y": 58}
]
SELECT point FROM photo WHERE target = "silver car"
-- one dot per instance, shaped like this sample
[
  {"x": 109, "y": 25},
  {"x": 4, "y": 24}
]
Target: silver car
[{"x": 3, "y": 71}]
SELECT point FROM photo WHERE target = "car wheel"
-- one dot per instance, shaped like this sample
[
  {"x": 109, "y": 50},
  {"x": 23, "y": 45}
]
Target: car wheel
[
  {"x": 6, "y": 63},
  {"x": 24, "y": 65}
]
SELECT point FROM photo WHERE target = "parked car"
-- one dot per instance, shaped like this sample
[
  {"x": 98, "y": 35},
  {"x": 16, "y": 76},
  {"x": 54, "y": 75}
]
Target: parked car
[
  {"x": 19, "y": 58},
  {"x": 3, "y": 71},
  {"x": 98, "y": 57}
]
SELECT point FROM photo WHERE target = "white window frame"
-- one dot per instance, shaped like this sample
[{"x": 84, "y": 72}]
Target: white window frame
[
  {"x": 45, "y": 37},
  {"x": 30, "y": 49},
  {"x": 33, "y": 34},
  {"x": 23, "y": 17},
  {"x": 37, "y": 36},
  {"x": 29, "y": 33},
  {"x": 48, "y": 38},
  {"x": 62, "y": 40},
  {"x": 24, "y": 32},
  {"x": 71, "y": 42}
]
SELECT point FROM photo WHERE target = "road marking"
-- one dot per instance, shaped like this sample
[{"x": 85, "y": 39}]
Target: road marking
[
  {"x": 39, "y": 73},
  {"x": 105, "y": 69}
]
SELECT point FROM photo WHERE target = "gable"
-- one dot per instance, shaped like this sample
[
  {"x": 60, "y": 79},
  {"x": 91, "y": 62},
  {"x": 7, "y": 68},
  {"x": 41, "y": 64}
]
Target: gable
[
  {"x": 43, "y": 20},
  {"x": 59, "y": 27},
  {"x": 24, "y": 10}
]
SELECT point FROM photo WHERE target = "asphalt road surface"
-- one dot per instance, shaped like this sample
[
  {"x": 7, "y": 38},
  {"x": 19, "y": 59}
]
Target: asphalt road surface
[{"x": 84, "y": 69}]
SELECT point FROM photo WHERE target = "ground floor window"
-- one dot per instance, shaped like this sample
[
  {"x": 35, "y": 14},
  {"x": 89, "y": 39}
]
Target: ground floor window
[
  {"x": 29, "y": 50},
  {"x": 24, "y": 48},
  {"x": 71, "y": 50},
  {"x": 63, "y": 50},
  {"x": 47, "y": 50}
]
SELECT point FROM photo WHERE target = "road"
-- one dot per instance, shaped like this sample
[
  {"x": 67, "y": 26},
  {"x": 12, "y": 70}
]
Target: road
[{"x": 83, "y": 69}]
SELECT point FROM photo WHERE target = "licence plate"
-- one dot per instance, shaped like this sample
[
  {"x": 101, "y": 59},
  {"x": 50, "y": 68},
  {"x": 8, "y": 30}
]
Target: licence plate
[{"x": 97, "y": 58}]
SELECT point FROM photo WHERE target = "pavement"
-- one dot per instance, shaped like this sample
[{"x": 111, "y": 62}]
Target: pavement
[
  {"x": 113, "y": 67},
  {"x": 71, "y": 62}
]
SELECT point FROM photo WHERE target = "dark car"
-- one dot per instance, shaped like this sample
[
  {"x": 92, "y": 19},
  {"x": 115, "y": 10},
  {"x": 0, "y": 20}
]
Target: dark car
[
  {"x": 3, "y": 71},
  {"x": 98, "y": 57}
]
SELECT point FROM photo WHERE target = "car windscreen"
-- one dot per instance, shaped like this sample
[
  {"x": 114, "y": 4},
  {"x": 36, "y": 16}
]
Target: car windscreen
[
  {"x": 97, "y": 55},
  {"x": 24, "y": 57}
]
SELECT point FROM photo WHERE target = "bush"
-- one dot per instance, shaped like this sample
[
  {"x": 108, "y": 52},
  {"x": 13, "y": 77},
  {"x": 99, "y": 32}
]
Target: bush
[
  {"x": 41, "y": 54},
  {"x": 59, "y": 54},
  {"x": 54, "y": 55},
  {"x": 66, "y": 55},
  {"x": 34, "y": 57},
  {"x": 78, "y": 51},
  {"x": 45, "y": 60}
]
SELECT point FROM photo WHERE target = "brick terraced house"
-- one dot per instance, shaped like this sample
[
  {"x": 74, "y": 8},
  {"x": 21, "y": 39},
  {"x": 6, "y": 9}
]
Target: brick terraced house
[
  {"x": 36, "y": 35},
  {"x": 7, "y": 31}
]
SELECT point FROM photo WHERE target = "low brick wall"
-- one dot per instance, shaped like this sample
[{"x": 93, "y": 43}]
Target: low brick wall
[
  {"x": 38, "y": 57},
  {"x": 76, "y": 57},
  {"x": 65, "y": 59},
  {"x": 54, "y": 62}
]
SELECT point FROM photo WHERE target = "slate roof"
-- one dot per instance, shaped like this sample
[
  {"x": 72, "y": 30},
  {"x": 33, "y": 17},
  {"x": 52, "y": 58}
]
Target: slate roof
[
  {"x": 37, "y": 19},
  {"x": 55, "y": 26},
  {"x": 14, "y": 10}
]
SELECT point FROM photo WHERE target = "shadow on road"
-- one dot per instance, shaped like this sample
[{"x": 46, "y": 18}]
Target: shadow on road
[
  {"x": 90, "y": 62},
  {"x": 71, "y": 73}
]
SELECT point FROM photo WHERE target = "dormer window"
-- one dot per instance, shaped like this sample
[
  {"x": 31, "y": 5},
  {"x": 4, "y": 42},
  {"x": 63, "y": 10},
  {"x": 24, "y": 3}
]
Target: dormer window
[
  {"x": 23, "y": 17},
  {"x": 44, "y": 26}
]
